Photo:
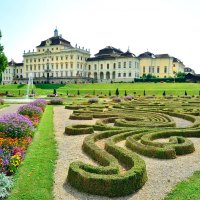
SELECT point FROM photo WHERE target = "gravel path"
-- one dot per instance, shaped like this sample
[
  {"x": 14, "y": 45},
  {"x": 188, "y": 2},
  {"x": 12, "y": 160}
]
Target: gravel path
[
  {"x": 162, "y": 174},
  {"x": 11, "y": 109}
]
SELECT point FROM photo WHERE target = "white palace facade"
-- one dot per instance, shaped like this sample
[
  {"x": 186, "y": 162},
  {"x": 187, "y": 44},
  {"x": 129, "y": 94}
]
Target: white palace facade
[{"x": 57, "y": 61}]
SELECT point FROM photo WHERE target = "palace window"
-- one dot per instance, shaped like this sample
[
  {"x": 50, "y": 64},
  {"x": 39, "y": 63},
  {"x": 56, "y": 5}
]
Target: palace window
[
  {"x": 26, "y": 60},
  {"x": 43, "y": 67},
  {"x": 119, "y": 74},
  {"x": 71, "y": 57},
  {"x": 71, "y": 65},
  {"x": 114, "y": 65},
  {"x": 158, "y": 69},
  {"x": 61, "y": 73},
  {"x": 144, "y": 70},
  {"x": 61, "y": 66},
  {"x": 130, "y": 64},
  {"x": 152, "y": 70},
  {"x": 61, "y": 57},
  {"x": 30, "y": 60},
  {"x": 34, "y": 59},
  {"x": 101, "y": 66},
  {"x": 66, "y": 57},
  {"x": 52, "y": 66},
  {"x": 38, "y": 67},
  {"x": 66, "y": 73},
  {"x": 56, "y": 57},
  {"x": 95, "y": 67},
  {"x": 129, "y": 74},
  {"x": 34, "y": 67},
  {"x": 38, "y": 59},
  {"x": 89, "y": 67},
  {"x": 119, "y": 64},
  {"x": 56, "y": 66},
  {"x": 165, "y": 69},
  {"x": 107, "y": 66},
  {"x": 66, "y": 65},
  {"x": 31, "y": 67},
  {"x": 124, "y": 64},
  {"x": 124, "y": 75},
  {"x": 52, "y": 58},
  {"x": 26, "y": 67}
]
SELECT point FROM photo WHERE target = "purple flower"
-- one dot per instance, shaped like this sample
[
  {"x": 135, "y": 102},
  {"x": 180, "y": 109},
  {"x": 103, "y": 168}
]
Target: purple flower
[
  {"x": 56, "y": 101},
  {"x": 30, "y": 110},
  {"x": 12, "y": 125},
  {"x": 39, "y": 103}
]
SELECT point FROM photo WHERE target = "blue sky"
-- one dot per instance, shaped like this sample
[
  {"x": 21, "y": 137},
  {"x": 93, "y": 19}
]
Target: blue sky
[{"x": 161, "y": 26}]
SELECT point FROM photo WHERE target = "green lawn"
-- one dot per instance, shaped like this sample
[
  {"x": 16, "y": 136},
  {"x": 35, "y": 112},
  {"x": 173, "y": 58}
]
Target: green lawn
[
  {"x": 150, "y": 88},
  {"x": 189, "y": 189},
  {"x": 34, "y": 179},
  {"x": 3, "y": 106}
]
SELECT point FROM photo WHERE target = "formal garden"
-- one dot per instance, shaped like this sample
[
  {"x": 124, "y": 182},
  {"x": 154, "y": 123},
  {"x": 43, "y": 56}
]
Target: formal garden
[{"x": 71, "y": 142}]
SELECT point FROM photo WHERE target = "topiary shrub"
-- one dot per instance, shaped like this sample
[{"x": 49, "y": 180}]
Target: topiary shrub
[{"x": 16, "y": 125}]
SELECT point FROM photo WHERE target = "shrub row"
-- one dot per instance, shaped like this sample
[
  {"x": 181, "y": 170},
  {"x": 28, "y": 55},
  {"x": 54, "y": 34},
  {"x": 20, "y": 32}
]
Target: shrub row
[
  {"x": 79, "y": 129},
  {"x": 107, "y": 181},
  {"x": 177, "y": 144}
]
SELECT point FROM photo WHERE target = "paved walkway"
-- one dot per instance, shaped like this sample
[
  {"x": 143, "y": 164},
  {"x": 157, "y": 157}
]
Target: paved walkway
[
  {"x": 163, "y": 175},
  {"x": 10, "y": 109}
]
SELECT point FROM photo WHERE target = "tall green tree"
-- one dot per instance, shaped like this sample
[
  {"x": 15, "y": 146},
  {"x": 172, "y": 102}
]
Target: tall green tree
[{"x": 3, "y": 59}]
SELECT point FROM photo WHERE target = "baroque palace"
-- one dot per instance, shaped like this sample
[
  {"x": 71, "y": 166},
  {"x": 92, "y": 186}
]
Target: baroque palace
[{"x": 57, "y": 61}]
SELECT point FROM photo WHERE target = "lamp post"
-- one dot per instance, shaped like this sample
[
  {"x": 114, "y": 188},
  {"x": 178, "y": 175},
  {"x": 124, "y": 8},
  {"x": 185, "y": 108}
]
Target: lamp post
[{"x": 174, "y": 76}]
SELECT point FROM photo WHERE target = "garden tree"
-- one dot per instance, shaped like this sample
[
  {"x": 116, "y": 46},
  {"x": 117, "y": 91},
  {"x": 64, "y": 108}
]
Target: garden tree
[
  {"x": 185, "y": 93},
  {"x": 93, "y": 92},
  {"x": 54, "y": 91},
  {"x": 3, "y": 59},
  {"x": 144, "y": 93},
  {"x": 78, "y": 92},
  {"x": 164, "y": 93},
  {"x": 180, "y": 75},
  {"x": 125, "y": 94},
  {"x": 109, "y": 93},
  {"x": 67, "y": 92},
  {"x": 117, "y": 92}
]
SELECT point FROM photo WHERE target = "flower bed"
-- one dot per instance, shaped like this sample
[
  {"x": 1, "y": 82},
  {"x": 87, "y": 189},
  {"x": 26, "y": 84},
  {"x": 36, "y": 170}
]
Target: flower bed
[
  {"x": 56, "y": 101},
  {"x": 93, "y": 100},
  {"x": 30, "y": 110},
  {"x": 16, "y": 131},
  {"x": 39, "y": 103},
  {"x": 12, "y": 152}
]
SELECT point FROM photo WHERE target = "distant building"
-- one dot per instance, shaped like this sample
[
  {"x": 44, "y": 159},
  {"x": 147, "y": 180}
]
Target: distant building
[
  {"x": 160, "y": 65},
  {"x": 57, "y": 61},
  {"x": 188, "y": 70},
  {"x": 111, "y": 64},
  {"x": 13, "y": 72},
  {"x": 192, "y": 77}
]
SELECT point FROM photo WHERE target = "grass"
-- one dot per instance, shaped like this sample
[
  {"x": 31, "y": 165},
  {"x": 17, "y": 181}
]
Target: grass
[
  {"x": 3, "y": 106},
  {"x": 150, "y": 88},
  {"x": 188, "y": 189},
  {"x": 34, "y": 179}
]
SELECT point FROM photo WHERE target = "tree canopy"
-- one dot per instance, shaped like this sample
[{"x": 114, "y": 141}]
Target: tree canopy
[{"x": 3, "y": 58}]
